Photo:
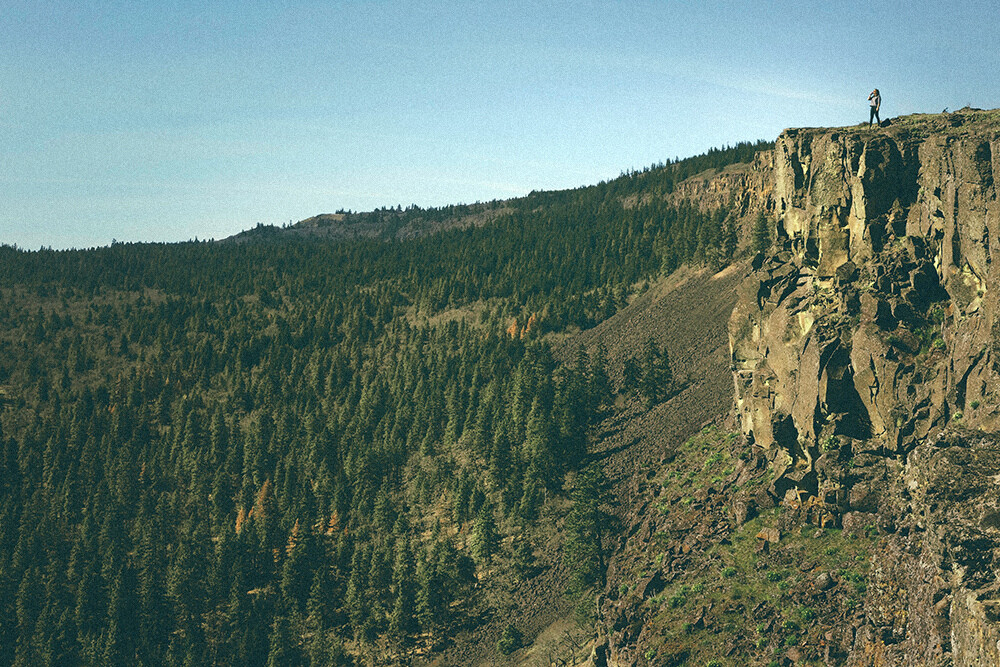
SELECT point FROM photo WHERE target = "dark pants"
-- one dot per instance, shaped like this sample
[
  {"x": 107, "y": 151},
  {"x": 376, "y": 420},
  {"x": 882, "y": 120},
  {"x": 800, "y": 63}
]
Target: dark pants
[{"x": 874, "y": 115}]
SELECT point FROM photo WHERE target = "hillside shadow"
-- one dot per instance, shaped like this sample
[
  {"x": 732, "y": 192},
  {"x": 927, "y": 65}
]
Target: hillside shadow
[{"x": 611, "y": 451}]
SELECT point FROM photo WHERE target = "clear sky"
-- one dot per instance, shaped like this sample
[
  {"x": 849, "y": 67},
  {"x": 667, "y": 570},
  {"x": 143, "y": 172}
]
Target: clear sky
[{"x": 165, "y": 121}]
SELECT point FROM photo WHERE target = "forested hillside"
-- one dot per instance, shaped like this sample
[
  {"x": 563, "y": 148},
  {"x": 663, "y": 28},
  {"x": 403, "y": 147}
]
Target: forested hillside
[
  {"x": 315, "y": 453},
  {"x": 653, "y": 183}
]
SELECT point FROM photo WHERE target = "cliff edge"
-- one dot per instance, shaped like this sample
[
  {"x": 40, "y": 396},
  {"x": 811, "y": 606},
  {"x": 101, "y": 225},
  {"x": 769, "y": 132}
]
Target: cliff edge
[{"x": 865, "y": 359}]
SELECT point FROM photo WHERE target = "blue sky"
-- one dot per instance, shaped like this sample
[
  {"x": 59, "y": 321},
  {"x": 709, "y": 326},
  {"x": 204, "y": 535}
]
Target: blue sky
[{"x": 165, "y": 121}]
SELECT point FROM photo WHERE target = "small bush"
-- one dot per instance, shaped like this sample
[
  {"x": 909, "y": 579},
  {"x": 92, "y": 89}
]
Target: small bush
[
  {"x": 729, "y": 572},
  {"x": 510, "y": 640},
  {"x": 712, "y": 460}
]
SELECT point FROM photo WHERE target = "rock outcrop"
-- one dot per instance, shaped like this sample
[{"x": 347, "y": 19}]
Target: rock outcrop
[
  {"x": 871, "y": 328},
  {"x": 743, "y": 189},
  {"x": 933, "y": 595},
  {"x": 874, "y": 319}
]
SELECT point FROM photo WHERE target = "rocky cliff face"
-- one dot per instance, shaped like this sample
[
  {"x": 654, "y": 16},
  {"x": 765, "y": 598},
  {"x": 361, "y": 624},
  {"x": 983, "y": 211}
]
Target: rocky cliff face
[
  {"x": 870, "y": 330},
  {"x": 933, "y": 595},
  {"x": 744, "y": 189}
]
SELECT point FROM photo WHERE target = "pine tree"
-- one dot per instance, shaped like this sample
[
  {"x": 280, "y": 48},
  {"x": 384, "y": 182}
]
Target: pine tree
[
  {"x": 523, "y": 557},
  {"x": 510, "y": 640},
  {"x": 379, "y": 583},
  {"x": 761, "y": 234},
  {"x": 218, "y": 438},
  {"x": 461, "y": 497},
  {"x": 532, "y": 497},
  {"x": 282, "y": 651},
  {"x": 296, "y": 576},
  {"x": 485, "y": 540},
  {"x": 600, "y": 391},
  {"x": 403, "y": 615},
  {"x": 431, "y": 603},
  {"x": 729, "y": 241},
  {"x": 656, "y": 378},
  {"x": 586, "y": 524},
  {"x": 326, "y": 650},
  {"x": 539, "y": 443},
  {"x": 356, "y": 598},
  {"x": 120, "y": 640},
  {"x": 318, "y": 607},
  {"x": 29, "y": 607},
  {"x": 631, "y": 374}
]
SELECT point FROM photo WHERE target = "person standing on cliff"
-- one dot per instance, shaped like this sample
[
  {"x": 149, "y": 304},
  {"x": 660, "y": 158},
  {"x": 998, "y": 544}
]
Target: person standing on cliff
[{"x": 875, "y": 99}]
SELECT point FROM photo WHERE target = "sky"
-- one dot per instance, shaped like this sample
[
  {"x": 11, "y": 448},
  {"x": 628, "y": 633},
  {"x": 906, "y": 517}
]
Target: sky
[{"x": 168, "y": 121}]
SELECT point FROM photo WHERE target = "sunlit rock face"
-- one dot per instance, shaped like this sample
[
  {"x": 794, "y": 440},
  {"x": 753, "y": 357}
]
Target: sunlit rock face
[
  {"x": 869, "y": 329},
  {"x": 873, "y": 317}
]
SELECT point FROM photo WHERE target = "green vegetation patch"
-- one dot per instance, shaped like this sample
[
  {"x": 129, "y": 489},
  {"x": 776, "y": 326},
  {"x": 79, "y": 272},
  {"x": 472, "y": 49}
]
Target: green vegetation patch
[{"x": 728, "y": 590}]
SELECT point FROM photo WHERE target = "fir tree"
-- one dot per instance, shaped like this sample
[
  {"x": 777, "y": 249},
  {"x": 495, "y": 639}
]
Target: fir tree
[
  {"x": 656, "y": 375},
  {"x": 600, "y": 392},
  {"x": 485, "y": 539},
  {"x": 586, "y": 525},
  {"x": 760, "y": 236}
]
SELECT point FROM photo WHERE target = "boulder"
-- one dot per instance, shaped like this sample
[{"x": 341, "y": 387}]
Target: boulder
[
  {"x": 863, "y": 499},
  {"x": 824, "y": 582},
  {"x": 771, "y": 535}
]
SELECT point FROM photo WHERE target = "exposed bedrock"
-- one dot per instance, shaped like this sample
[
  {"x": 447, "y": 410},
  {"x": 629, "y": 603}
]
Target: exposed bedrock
[
  {"x": 873, "y": 320},
  {"x": 933, "y": 595},
  {"x": 862, "y": 341}
]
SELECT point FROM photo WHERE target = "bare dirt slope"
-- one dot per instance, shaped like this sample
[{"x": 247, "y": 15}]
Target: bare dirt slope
[{"x": 687, "y": 313}]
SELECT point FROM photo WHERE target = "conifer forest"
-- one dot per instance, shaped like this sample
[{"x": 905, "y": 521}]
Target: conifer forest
[{"x": 287, "y": 451}]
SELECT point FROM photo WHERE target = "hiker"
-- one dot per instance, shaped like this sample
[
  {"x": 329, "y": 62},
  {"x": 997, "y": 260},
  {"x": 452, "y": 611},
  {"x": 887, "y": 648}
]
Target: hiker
[{"x": 875, "y": 99}]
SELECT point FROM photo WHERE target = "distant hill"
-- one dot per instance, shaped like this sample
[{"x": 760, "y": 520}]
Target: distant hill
[{"x": 656, "y": 181}]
